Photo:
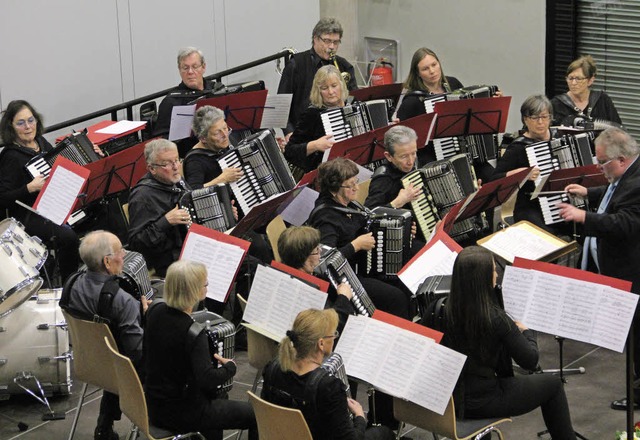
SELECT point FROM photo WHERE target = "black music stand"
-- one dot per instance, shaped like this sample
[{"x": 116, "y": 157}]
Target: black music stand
[
  {"x": 242, "y": 111},
  {"x": 385, "y": 91},
  {"x": 369, "y": 147},
  {"x": 471, "y": 116}
]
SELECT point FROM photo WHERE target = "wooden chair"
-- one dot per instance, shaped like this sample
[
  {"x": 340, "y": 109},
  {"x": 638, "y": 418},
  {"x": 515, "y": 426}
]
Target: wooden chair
[
  {"x": 260, "y": 349},
  {"x": 277, "y": 422},
  {"x": 91, "y": 358},
  {"x": 132, "y": 400},
  {"x": 274, "y": 229},
  {"x": 363, "y": 191},
  {"x": 446, "y": 424}
]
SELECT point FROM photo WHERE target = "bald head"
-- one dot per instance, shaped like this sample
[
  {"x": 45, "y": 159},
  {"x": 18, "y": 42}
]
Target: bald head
[{"x": 102, "y": 251}]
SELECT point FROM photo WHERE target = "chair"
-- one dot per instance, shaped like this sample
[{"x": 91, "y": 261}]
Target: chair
[
  {"x": 132, "y": 400},
  {"x": 260, "y": 349},
  {"x": 277, "y": 422},
  {"x": 446, "y": 424},
  {"x": 363, "y": 191},
  {"x": 274, "y": 229},
  {"x": 91, "y": 358}
]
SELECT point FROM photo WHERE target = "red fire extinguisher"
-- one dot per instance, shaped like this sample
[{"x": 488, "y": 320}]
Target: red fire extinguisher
[{"x": 382, "y": 73}]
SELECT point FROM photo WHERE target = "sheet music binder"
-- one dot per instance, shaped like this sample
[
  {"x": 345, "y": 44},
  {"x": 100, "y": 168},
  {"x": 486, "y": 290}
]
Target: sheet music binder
[
  {"x": 471, "y": 116},
  {"x": 242, "y": 111}
]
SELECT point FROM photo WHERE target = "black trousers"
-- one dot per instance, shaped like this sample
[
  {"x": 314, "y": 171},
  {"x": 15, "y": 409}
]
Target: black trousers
[{"x": 386, "y": 297}]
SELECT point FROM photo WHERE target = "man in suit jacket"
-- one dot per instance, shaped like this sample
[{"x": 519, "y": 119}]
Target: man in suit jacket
[{"x": 612, "y": 244}]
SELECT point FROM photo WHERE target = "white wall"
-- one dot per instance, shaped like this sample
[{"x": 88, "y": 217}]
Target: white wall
[
  {"x": 72, "y": 57},
  {"x": 492, "y": 42}
]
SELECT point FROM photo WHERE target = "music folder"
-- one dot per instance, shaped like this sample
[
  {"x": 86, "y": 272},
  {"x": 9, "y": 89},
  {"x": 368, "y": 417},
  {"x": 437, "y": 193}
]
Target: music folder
[
  {"x": 96, "y": 132},
  {"x": 369, "y": 147},
  {"x": 242, "y": 111},
  {"x": 587, "y": 176},
  {"x": 471, "y": 116},
  {"x": 385, "y": 91}
]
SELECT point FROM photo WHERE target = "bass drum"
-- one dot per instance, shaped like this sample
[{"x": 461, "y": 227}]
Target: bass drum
[
  {"x": 18, "y": 281},
  {"x": 35, "y": 345},
  {"x": 31, "y": 249}
]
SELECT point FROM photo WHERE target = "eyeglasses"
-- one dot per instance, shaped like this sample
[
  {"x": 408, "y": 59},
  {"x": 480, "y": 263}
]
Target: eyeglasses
[
  {"x": 22, "y": 123},
  {"x": 329, "y": 41},
  {"x": 121, "y": 251},
  {"x": 539, "y": 117},
  {"x": 174, "y": 163},
  {"x": 353, "y": 186},
  {"x": 222, "y": 133},
  {"x": 334, "y": 335},
  {"x": 577, "y": 79},
  {"x": 195, "y": 68},
  {"x": 316, "y": 251},
  {"x": 606, "y": 162}
]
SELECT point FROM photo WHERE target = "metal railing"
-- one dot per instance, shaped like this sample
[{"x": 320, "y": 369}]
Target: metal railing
[{"x": 128, "y": 106}]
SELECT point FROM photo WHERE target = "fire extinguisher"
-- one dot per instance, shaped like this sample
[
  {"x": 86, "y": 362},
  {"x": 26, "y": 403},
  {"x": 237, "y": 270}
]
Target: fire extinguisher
[{"x": 382, "y": 72}]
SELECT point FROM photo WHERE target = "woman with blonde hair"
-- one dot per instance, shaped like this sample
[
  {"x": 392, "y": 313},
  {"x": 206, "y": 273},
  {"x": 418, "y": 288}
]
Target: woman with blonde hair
[
  {"x": 325, "y": 406},
  {"x": 181, "y": 376}
]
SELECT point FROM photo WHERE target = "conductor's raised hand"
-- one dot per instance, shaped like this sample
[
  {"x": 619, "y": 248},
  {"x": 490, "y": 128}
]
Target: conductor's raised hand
[
  {"x": 576, "y": 190},
  {"x": 570, "y": 213},
  {"x": 178, "y": 216}
]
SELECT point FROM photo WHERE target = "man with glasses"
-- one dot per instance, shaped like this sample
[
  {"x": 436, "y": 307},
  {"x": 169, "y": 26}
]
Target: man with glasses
[
  {"x": 155, "y": 219},
  {"x": 298, "y": 74},
  {"x": 96, "y": 293},
  {"x": 612, "y": 227}
]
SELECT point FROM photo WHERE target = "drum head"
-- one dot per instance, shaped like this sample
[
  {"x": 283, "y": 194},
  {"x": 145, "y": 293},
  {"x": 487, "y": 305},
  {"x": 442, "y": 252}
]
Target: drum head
[{"x": 19, "y": 294}]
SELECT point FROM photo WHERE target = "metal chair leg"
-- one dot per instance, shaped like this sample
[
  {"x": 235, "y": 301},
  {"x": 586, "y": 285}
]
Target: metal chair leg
[{"x": 74, "y": 424}]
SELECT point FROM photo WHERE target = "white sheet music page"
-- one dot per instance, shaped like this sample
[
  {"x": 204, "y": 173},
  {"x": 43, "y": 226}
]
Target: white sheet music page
[
  {"x": 297, "y": 212},
  {"x": 400, "y": 362},
  {"x": 276, "y": 111},
  {"x": 121, "y": 127},
  {"x": 519, "y": 242},
  {"x": 438, "y": 260},
  {"x": 574, "y": 309},
  {"x": 181, "y": 120},
  {"x": 276, "y": 299},
  {"x": 221, "y": 259},
  {"x": 60, "y": 194}
]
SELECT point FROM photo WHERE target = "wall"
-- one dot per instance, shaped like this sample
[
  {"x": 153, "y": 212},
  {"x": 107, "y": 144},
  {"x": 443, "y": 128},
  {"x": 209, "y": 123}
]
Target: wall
[{"x": 72, "y": 57}]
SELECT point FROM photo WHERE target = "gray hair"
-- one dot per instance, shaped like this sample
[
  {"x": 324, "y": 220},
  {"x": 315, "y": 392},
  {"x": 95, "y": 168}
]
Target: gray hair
[
  {"x": 534, "y": 105},
  {"x": 617, "y": 143},
  {"x": 155, "y": 147},
  {"x": 186, "y": 51},
  {"x": 204, "y": 118},
  {"x": 94, "y": 247},
  {"x": 327, "y": 26},
  {"x": 398, "y": 135}
]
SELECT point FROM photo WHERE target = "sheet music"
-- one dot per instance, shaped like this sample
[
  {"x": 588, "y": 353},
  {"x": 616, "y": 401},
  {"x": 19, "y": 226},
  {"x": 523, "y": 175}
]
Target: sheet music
[
  {"x": 276, "y": 299},
  {"x": 221, "y": 259},
  {"x": 121, "y": 127},
  {"x": 400, "y": 362},
  {"x": 567, "y": 307},
  {"x": 300, "y": 207},
  {"x": 276, "y": 110},
  {"x": 520, "y": 242},
  {"x": 60, "y": 194},
  {"x": 438, "y": 260},
  {"x": 181, "y": 120},
  {"x": 364, "y": 174}
]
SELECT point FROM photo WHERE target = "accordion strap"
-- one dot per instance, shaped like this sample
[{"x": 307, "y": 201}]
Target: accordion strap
[{"x": 192, "y": 334}]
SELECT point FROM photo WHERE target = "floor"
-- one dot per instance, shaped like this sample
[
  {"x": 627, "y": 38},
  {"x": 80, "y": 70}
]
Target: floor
[{"x": 589, "y": 395}]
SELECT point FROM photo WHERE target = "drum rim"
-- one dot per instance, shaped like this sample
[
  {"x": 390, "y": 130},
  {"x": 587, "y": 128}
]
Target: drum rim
[{"x": 17, "y": 287}]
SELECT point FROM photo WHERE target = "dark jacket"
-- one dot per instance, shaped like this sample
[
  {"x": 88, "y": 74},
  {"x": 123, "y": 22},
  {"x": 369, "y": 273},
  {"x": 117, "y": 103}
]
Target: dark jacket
[
  {"x": 412, "y": 105},
  {"x": 386, "y": 183},
  {"x": 600, "y": 107},
  {"x": 309, "y": 128},
  {"x": 201, "y": 166}
]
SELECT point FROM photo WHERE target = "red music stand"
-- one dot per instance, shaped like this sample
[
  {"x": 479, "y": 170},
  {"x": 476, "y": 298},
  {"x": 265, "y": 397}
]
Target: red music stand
[
  {"x": 101, "y": 138},
  {"x": 369, "y": 147},
  {"x": 385, "y": 91},
  {"x": 471, "y": 116},
  {"x": 242, "y": 111},
  {"x": 587, "y": 176}
]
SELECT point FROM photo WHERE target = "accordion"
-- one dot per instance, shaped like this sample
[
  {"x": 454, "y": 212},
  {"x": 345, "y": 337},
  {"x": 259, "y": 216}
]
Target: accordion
[
  {"x": 76, "y": 147},
  {"x": 354, "y": 119},
  {"x": 337, "y": 269},
  {"x": 221, "y": 335},
  {"x": 561, "y": 153},
  {"x": 479, "y": 147},
  {"x": 444, "y": 183},
  {"x": 210, "y": 207},
  {"x": 391, "y": 228},
  {"x": 431, "y": 289},
  {"x": 265, "y": 169},
  {"x": 334, "y": 365}
]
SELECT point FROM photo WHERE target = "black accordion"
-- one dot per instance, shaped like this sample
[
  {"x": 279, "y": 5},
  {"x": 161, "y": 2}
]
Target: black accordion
[
  {"x": 76, "y": 147},
  {"x": 444, "y": 183},
  {"x": 391, "y": 228},
  {"x": 334, "y": 365},
  {"x": 432, "y": 289},
  {"x": 210, "y": 207},
  {"x": 354, "y": 119},
  {"x": 266, "y": 172},
  {"x": 337, "y": 269},
  {"x": 221, "y": 335},
  {"x": 568, "y": 151}
]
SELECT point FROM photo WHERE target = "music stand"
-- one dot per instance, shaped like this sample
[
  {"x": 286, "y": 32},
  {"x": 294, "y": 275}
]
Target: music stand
[
  {"x": 242, "y": 111},
  {"x": 369, "y": 147},
  {"x": 385, "y": 91},
  {"x": 587, "y": 176},
  {"x": 471, "y": 116}
]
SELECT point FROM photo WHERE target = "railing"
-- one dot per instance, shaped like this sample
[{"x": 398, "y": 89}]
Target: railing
[{"x": 128, "y": 106}]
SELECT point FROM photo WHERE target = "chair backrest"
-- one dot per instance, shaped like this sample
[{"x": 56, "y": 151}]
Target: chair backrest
[
  {"x": 132, "y": 401},
  {"x": 260, "y": 349},
  {"x": 274, "y": 229},
  {"x": 278, "y": 422},
  {"x": 91, "y": 356},
  {"x": 363, "y": 191}
]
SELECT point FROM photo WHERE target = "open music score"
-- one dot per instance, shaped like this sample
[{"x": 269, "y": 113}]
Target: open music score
[
  {"x": 471, "y": 116},
  {"x": 221, "y": 254},
  {"x": 275, "y": 300},
  {"x": 569, "y": 302},
  {"x": 313, "y": 281},
  {"x": 400, "y": 362},
  {"x": 242, "y": 111},
  {"x": 526, "y": 240},
  {"x": 369, "y": 147}
]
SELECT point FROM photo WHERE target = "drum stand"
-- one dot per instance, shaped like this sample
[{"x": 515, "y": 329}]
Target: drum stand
[{"x": 51, "y": 415}]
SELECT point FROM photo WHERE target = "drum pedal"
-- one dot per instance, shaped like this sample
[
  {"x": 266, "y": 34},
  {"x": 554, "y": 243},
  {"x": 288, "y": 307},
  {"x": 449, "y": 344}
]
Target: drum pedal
[{"x": 53, "y": 416}]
